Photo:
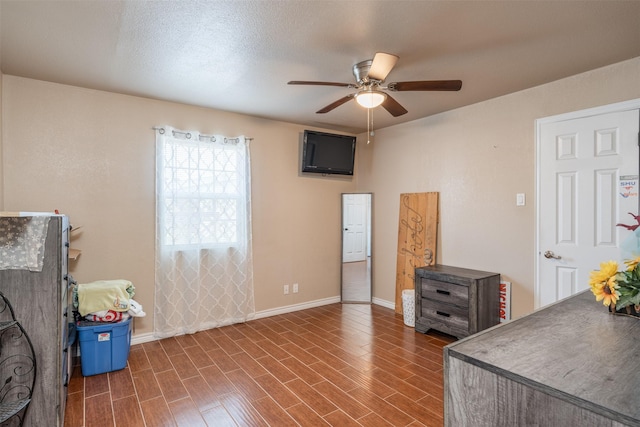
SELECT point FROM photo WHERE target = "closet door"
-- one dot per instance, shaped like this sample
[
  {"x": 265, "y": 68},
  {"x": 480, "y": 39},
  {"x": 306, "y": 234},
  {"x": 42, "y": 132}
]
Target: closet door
[{"x": 588, "y": 183}]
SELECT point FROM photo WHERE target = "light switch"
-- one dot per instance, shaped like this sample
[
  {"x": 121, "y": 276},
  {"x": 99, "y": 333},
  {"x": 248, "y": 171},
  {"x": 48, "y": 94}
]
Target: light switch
[{"x": 520, "y": 199}]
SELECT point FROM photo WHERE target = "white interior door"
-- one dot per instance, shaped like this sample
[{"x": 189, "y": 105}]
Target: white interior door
[
  {"x": 587, "y": 183},
  {"x": 354, "y": 225}
]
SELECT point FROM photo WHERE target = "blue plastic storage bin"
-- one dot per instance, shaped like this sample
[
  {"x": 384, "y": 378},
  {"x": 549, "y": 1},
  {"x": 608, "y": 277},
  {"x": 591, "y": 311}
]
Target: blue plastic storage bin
[{"x": 104, "y": 347}]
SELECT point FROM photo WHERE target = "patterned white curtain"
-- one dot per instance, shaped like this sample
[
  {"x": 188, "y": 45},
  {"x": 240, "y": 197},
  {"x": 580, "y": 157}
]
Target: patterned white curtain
[{"x": 204, "y": 273}]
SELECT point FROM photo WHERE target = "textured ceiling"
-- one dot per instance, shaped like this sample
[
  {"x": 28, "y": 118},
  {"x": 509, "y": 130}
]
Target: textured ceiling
[{"x": 239, "y": 55}]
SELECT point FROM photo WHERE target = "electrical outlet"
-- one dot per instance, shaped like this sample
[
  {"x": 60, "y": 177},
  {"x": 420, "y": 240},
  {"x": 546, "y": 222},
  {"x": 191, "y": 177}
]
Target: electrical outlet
[
  {"x": 286, "y": 289},
  {"x": 295, "y": 288}
]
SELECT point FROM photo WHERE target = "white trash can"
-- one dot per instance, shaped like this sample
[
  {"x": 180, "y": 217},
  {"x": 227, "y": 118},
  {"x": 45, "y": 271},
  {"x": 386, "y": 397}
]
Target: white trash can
[{"x": 409, "y": 307}]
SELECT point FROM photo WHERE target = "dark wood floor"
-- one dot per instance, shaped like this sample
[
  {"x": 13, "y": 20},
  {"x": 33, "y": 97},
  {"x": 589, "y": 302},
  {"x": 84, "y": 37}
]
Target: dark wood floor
[{"x": 336, "y": 365}]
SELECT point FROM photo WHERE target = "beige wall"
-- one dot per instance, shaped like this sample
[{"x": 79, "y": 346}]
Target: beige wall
[
  {"x": 478, "y": 158},
  {"x": 91, "y": 155}
]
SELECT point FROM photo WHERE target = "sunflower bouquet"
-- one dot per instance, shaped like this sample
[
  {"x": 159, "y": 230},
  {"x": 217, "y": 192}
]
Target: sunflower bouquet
[{"x": 617, "y": 289}]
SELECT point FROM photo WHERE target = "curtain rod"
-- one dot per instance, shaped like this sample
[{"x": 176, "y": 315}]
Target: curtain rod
[{"x": 188, "y": 135}]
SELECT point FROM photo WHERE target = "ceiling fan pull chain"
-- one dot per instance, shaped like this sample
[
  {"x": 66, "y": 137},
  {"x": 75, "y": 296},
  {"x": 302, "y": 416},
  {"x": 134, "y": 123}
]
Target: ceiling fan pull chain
[
  {"x": 368, "y": 125},
  {"x": 370, "y": 131}
]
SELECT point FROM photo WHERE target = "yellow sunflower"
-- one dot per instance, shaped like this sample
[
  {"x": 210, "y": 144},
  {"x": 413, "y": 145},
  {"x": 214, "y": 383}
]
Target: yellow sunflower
[
  {"x": 607, "y": 292},
  {"x": 632, "y": 263},
  {"x": 600, "y": 277}
]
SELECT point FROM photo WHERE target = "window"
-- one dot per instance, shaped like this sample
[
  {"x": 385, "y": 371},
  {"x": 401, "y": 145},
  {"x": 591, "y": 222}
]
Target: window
[
  {"x": 202, "y": 199},
  {"x": 203, "y": 260}
]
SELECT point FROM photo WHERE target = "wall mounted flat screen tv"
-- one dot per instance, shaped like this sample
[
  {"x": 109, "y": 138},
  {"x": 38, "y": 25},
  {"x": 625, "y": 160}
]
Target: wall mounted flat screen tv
[{"x": 328, "y": 153}]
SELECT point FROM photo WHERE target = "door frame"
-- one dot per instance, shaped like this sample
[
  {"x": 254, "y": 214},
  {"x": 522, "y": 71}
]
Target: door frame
[{"x": 580, "y": 114}]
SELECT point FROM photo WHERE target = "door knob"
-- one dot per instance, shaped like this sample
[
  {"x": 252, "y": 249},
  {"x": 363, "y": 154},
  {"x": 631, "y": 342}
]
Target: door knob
[{"x": 550, "y": 254}]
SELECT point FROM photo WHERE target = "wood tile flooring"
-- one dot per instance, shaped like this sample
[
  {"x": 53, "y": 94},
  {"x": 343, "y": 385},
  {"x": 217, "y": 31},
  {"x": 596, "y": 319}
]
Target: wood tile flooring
[{"x": 336, "y": 365}]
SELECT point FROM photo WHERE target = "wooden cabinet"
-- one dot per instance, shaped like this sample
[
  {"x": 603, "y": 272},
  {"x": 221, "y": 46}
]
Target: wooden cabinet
[
  {"x": 41, "y": 300},
  {"x": 568, "y": 364},
  {"x": 457, "y": 301}
]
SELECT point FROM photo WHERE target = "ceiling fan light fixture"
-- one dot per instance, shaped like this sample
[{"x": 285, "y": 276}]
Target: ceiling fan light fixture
[{"x": 370, "y": 98}]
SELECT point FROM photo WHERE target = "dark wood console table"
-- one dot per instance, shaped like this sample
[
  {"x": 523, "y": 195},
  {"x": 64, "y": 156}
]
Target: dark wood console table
[{"x": 568, "y": 364}]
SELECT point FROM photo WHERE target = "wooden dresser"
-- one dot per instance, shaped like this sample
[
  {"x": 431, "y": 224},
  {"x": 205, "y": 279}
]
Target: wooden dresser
[
  {"x": 569, "y": 364},
  {"x": 42, "y": 304},
  {"x": 456, "y": 301}
]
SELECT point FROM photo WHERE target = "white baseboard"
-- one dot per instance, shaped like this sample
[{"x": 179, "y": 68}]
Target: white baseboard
[
  {"x": 296, "y": 307},
  {"x": 148, "y": 337},
  {"x": 142, "y": 338},
  {"x": 384, "y": 303}
]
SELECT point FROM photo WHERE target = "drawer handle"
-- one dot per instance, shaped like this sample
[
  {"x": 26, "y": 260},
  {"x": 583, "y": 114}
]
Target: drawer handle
[
  {"x": 442, "y": 313},
  {"x": 440, "y": 291}
]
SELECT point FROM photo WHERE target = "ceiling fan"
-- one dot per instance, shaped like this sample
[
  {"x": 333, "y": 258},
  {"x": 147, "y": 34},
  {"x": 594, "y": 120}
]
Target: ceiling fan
[{"x": 370, "y": 75}]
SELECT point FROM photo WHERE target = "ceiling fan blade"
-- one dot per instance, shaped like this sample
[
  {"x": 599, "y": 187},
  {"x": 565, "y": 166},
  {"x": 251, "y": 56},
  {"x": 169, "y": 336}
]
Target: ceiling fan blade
[
  {"x": 425, "y": 85},
  {"x": 393, "y": 107},
  {"x": 336, "y": 104},
  {"x": 302, "y": 82},
  {"x": 381, "y": 66}
]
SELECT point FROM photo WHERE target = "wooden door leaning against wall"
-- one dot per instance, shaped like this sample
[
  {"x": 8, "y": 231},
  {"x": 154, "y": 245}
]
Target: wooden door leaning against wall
[{"x": 417, "y": 238}]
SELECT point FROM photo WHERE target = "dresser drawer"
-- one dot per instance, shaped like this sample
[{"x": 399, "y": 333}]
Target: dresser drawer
[
  {"x": 456, "y": 301},
  {"x": 450, "y": 293},
  {"x": 449, "y": 317}
]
